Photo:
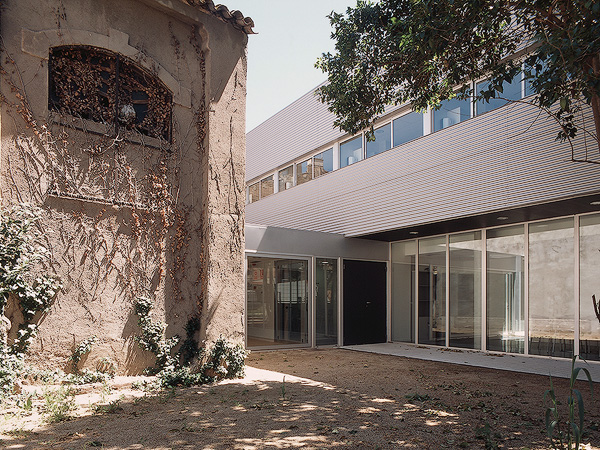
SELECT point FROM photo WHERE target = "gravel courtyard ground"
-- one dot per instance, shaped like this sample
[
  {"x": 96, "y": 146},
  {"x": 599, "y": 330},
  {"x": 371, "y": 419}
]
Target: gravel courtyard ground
[{"x": 329, "y": 399}]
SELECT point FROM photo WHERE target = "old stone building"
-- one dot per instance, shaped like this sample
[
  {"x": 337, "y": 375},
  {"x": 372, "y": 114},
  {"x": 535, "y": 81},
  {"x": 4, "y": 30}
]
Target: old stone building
[{"x": 124, "y": 121}]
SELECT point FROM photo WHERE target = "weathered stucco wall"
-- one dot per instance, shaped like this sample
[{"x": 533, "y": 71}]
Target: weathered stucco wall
[{"x": 126, "y": 215}]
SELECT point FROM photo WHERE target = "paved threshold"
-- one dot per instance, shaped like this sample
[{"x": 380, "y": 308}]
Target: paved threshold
[{"x": 540, "y": 365}]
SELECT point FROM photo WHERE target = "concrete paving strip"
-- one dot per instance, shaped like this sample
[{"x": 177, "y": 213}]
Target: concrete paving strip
[{"x": 540, "y": 365}]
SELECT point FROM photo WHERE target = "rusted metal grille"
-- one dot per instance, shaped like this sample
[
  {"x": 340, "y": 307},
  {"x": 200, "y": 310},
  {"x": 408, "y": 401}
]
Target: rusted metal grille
[{"x": 106, "y": 87}]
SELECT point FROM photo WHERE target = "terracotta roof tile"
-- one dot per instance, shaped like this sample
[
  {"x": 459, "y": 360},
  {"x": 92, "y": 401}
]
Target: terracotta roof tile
[{"x": 234, "y": 17}]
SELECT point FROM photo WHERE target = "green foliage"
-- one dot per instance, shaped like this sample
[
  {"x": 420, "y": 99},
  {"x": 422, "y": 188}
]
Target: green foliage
[
  {"x": 152, "y": 338},
  {"x": 189, "y": 347},
  {"x": 566, "y": 433},
  {"x": 419, "y": 51},
  {"x": 59, "y": 403},
  {"x": 106, "y": 365},
  {"x": 19, "y": 253},
  {"x": 487, "y": 436},
  {"x": 11, "y": 366},
  {"x": 81, "y": 350},
  {"x": 222, "y": 360}
]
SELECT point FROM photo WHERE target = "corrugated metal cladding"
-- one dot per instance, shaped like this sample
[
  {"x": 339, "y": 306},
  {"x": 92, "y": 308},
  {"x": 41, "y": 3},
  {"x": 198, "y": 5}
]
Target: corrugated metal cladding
[
  {"x": 507, "y": 158},
  {"x": 298, "y": 129}
]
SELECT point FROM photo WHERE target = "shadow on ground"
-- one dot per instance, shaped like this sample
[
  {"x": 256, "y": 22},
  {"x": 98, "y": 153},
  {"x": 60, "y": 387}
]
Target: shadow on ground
[{"x": 409, "y": 405}]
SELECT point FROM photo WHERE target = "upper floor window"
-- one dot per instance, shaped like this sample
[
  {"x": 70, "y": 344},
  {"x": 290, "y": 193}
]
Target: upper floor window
[
  {"x": 451, "y": 112},
  {"x": 510, "y": 92},
  {"x": 351, "y": 151},
  {"x": 408, "y": 127},
  {"x": 382, "y": 142},
  {"x": 106, "y": 87}
]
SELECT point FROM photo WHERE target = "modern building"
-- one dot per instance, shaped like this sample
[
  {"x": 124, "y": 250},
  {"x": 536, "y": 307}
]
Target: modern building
[{"x": 469, "y": 227}]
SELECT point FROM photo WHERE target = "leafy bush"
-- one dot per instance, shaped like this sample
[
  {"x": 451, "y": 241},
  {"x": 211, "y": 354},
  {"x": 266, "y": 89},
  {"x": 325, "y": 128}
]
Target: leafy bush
[
  {"x": 59, "y": 403},
  {"x": 152, "y": 338},
  {"x": 81, "y": 350},
  {"x": 19, "y": 253},
  {"x": 11, "y": 366}
]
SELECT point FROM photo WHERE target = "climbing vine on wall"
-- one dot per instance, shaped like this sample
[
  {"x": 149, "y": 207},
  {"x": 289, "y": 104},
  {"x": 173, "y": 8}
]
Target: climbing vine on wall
[{"x": 86, "y": 150}]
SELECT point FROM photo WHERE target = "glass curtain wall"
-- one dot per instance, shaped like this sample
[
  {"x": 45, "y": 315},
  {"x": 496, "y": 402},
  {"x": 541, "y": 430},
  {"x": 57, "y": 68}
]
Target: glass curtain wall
[
  {"x": 403, "y": 291},
  {"x": 326, "y": 303},
  {"x": 506, "y": 289},
  {"x": 551, "y": 266},
  {"x": 276, "y": 302},
  {"x": 589, "y": 288},
  {"x": 432, "y": 291},
  {"x": 465, "y": 290}
]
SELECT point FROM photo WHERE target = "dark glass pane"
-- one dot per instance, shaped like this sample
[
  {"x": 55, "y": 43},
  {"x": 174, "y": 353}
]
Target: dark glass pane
[{"x": 407, "y": 128}]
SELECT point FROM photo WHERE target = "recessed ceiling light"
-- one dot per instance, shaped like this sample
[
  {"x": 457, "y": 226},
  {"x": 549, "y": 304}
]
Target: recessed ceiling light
[
  {"x": 596, "y": 203},
  {"x": 502, "y": 218},
  {"x": 413, "y": 232}
]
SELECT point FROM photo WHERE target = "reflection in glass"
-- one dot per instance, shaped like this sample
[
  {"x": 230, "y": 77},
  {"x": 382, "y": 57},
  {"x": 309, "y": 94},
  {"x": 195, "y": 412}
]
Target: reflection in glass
[
  {"x": 432, "y": 291},
  {"x": 382, "y": 142},
  {"x": 407, "y": 128},
  {"x": 304, "y": 171},
  {"x": 506, "y": 289},
  {"x": 326, "y": 301},
  {"x": 510, "y": 91},
  {"x": 253, "y": 193},
  {"x": 267, "y": 186},
  {"x": 276, "y": 302},
  {"x": 451, "y": 112},
  {"x": 286, "y": 178},
  {"x": 465, "y": 290},
  {"x": 403, "y": 290},
  {"x": 551, "y": 314},
  {"x": 351, "y": 151},
  {"x": 589, "y": 260},
  {"x": 323, "y": 163}
]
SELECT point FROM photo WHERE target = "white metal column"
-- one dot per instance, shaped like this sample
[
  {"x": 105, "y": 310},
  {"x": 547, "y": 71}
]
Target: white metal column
[
  {"x": 576, "y": 286},
  {"x": 526, "y": 251},
  {"x": 447, "y": 290},
  {"x": 416, "y": 298},
  {"x": 484, "y": 290}
]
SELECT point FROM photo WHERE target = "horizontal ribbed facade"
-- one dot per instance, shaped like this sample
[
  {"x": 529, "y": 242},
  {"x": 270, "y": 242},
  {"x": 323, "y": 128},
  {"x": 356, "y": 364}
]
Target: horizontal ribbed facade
[{"x": 508, "y": 158}]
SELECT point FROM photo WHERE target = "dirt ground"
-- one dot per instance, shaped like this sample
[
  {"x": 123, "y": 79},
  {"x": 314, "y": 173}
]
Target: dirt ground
[{"x": 343, "y": 399}]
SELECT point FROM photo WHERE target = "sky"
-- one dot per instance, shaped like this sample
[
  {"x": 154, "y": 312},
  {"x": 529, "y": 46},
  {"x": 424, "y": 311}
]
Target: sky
[{"x": 292, "y": 34}]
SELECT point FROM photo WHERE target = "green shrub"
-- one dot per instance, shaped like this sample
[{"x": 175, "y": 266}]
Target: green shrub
[{"x": 11, "y": 366}]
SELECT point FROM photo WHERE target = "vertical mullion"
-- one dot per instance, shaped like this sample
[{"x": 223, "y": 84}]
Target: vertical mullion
[
  {"x": 340, "y": 299},
  {"x": 526, "y": 318},
  {"x": 416, "y": 295},
  {"x": 484, "y": 290},
  {"x": 576, "y": 286},
  {"x": 447, "y": 290},
  {"x": 388, "y": 272}
]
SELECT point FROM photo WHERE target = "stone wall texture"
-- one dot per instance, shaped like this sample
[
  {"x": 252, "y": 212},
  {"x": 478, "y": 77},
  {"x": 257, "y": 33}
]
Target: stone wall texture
[{"x": 124, "y": 214}]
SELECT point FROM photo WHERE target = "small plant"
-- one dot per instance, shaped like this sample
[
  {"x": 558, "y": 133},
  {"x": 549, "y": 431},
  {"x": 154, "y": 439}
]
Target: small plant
[
  {"x": 80, "y": 351},
  {"x": 189, "y": 347},
  {"x": 489, "y": 438},
  {"x": 107, "y": 366},
  {"x": 283, "y": 388},
  {"x": 566, "y": 433},
  {"x": 59, "y": 403}
]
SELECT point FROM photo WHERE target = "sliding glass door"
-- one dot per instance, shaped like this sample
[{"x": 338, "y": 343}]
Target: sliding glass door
[{"x": 276, "y": 302}]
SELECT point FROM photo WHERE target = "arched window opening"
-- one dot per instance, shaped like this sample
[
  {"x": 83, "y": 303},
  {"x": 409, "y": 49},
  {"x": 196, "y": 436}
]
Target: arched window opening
[{"x": 103, "y": 86}]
